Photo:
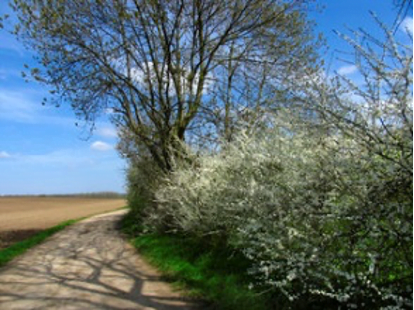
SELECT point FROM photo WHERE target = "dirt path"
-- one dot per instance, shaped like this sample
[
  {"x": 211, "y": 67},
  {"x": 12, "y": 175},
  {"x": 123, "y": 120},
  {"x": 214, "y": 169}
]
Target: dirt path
[{"x": 86, "y": 266}]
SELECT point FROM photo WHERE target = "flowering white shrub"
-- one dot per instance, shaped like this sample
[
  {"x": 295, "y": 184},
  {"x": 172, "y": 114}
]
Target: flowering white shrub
[
  {"x": 300, "y": 208},
  {"x": 322, "y": 206}
]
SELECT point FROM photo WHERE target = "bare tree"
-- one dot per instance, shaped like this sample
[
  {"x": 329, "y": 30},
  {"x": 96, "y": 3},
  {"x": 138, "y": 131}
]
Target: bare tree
[{"x": 166, "y": 70}]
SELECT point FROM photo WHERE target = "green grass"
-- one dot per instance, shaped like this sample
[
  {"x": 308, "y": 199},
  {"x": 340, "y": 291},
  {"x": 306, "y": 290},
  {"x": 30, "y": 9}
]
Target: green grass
[
  {"x": 19, "y": 248},
  {"x": 213, "y": 273}
]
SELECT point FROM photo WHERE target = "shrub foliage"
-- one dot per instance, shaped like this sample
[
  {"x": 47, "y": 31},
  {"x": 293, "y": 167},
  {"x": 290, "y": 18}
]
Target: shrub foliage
[
  {"x": 318, "y": 216},
  {"x": 321, "y": 205}
]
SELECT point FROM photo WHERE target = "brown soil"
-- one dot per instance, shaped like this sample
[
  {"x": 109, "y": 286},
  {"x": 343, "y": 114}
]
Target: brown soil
[
  {"x": 7, "y": 238},
  {"x": 22, "y": 217},
  {"x": 86, "y": 266},
  {"x": 18, "y": 213}
]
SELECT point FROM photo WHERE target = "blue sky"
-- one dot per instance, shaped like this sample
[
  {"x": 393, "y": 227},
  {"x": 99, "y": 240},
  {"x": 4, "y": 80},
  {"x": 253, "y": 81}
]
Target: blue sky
[
  {"x": 43, "y": 152},
  {"x": 342, "y": 15},
  {"x": 41, "y": 149}
]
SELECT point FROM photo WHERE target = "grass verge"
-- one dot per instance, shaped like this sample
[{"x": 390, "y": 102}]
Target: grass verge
[
  {"x": 213, "y": 274},
  {"x": 19, "y": 248}
]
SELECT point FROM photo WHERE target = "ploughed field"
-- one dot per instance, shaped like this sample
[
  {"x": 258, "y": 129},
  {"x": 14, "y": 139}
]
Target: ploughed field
[{"x": 21, "y": 217}]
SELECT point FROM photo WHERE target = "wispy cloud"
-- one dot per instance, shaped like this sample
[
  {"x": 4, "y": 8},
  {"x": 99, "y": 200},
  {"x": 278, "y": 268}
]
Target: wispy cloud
[
  {"x": 4, "y": 154},
  {"x": 9, "y": 43},
  {"x": 3, "y": 74},
  {"x": 407, "y": 25},
  {"x": 101, "y": 146},
  {"x": 68, "y": 158},
  {"x": 7, "y": 73},
  {"x": 347, "y": 70},
  {"x": 18, "y": 106},
  {"x": 71, "y": 158},
  {"x": 60, "y": 158},
  {"x": 107, "y": 132},
  {"x": 24, "y": 106},
  {"x": 61, "y": 171}
]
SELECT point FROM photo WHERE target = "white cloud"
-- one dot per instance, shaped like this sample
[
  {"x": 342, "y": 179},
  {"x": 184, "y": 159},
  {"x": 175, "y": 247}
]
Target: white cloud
[
  {"x": 107, "y": 132},
  {"x": 4, "y": 154},
  {"x": 101, "y": 146},
  {"x": 407, "y": 25},
  {"x": 142, "y": 71},
  {"x": 109, "y": 111},
  {"x": 347, "y": 70}
]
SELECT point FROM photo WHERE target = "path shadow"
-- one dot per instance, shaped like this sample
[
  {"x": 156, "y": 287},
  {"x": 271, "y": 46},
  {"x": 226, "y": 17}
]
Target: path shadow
[{"x": 87, "y": 266}]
